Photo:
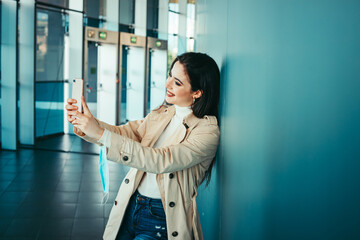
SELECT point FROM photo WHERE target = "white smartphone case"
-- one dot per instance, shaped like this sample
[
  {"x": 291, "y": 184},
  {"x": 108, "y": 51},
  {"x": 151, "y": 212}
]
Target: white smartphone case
[{"x": 77, "y": 92}]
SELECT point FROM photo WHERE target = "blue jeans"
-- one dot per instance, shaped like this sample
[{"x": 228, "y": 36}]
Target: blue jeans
[{"x": 144, "y": 219}]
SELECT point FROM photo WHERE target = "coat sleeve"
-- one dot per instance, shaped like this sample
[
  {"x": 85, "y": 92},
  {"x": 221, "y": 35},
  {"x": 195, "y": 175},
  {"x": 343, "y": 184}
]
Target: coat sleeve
[
  {"x": 128, "y": 130},
  {"x": 201, "y": 145}
]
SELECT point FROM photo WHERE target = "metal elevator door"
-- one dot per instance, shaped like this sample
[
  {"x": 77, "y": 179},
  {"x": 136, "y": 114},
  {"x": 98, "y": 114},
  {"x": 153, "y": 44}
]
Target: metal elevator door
[
  {"x": 106, "y": 84},
  {"x": 157, "y": 80},
  {"x": 133, "y": 84}
]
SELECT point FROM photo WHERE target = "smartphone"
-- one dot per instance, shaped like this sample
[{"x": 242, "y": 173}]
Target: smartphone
[{"x": 77, "y": 92}]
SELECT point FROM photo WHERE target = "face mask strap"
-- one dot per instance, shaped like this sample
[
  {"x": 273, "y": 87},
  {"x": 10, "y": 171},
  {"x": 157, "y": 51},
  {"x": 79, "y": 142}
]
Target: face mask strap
[
  {"x": 104, "y": 174},
  {"x": 105, "y": 198}
]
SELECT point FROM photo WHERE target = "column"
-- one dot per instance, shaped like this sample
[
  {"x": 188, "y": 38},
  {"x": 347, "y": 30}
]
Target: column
[
  {"x": 140, "y": 17},
  {"x": 163, "y": 19},
  {"x": 182, "y": 27},
  {"x": 75, "y": 48},
  {"x": 8, "y": 75},
  {"x": 112, "y": 15},
  {"x": 27, "y": 72}
]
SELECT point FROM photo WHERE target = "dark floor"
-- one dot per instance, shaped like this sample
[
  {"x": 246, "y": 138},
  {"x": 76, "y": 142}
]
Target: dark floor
[{"x": 54, "y": 195}]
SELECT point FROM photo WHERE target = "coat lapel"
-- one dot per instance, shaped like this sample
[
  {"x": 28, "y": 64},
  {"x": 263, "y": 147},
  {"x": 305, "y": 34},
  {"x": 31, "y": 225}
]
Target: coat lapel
[
  {"x": 188, "y": 123},
  {"x": 156, "y": 125},
  {"x": 178, "y": 136}
]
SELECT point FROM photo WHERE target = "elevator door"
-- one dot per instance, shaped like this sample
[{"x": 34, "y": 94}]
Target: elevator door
[
  {"x": 92, "y": 75},
  {"x": 106, "y": 94},
  {"x": 158, "y": 68},
  {"x": 135, "y": 85}
]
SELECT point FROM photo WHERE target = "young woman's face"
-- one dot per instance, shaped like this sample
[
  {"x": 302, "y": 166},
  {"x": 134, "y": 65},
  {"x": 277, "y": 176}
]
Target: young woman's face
[{"x": 178, "y": 87}]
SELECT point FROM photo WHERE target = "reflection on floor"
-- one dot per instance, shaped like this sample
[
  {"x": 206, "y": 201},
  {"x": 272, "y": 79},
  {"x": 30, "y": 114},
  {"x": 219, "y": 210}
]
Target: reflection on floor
[
  {"x": 67, "y": 143},
  {"x": 54, "y": 195}
]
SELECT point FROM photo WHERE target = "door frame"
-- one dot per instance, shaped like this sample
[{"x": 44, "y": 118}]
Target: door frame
[
  {"x": 127, "y": 39},
  {"x": 92, "y": 34},
  {"x": 152, "y": 43}
]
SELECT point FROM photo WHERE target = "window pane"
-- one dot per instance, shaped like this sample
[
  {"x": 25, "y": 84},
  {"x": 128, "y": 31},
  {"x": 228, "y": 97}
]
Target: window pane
[
  {"x": 174, "y": 7},
  {"x": 127, "y": 12},
  {"x": 49, "y": 108},
  {"x": 152, "y": 17},
  {"x": 172, "y": 48},
  {"x": 95, "y": 9},
  {"x": 50, "y": 31},
  {"x": 0, "y": 72},
  {"x": 190, "y": 20},
  {"x": 173, "y": 18},
  {"x": 60, "y": 3},
  {"x": 190, "y": 45}
]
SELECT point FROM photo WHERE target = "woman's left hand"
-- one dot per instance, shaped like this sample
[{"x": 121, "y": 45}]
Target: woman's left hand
[{"x": 86, "y": 122}]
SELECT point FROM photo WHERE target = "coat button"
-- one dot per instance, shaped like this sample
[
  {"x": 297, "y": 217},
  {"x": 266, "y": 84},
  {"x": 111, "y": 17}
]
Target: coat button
[
  {"x": 115, "y": 202},
  {"x": 127, "y": 181},
  {"x": 171, "y": 204},
  {"x": 125, "y": 158},
  {"x": 171, "y": 175},
  {"x": 175, "y": 234}
]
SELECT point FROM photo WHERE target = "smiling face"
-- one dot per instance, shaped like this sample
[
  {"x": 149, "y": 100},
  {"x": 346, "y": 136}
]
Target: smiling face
[{"x": 178, "y": 87}]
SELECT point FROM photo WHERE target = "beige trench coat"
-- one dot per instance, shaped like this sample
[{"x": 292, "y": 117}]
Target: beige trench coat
[{"x": 180, "y": 167}]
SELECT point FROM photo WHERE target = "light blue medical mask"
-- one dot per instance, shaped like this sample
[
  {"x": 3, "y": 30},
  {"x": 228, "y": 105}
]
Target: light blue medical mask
[{"x": 104, "y": 173}]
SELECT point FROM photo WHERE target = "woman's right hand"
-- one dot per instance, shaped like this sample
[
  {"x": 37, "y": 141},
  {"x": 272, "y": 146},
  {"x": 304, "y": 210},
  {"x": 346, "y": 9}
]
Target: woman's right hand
[{"x": 71, "y": 108}]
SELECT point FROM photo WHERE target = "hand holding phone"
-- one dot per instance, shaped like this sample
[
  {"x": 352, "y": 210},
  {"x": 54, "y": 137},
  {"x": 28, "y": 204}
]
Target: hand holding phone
[
  {"x": 79, "y": 114},
  {"x": 77, "y": 92}
]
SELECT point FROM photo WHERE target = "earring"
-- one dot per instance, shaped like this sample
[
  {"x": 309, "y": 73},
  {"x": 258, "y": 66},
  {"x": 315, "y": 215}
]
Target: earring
[{"x": 194, "y": 100}]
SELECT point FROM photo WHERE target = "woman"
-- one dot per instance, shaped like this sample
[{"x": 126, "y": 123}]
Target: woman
[{"x": 171, "y": 152}]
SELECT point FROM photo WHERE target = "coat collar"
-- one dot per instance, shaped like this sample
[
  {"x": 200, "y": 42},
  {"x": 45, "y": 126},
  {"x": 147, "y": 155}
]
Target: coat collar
[
  {"x": 163, "y": 118},
  {"x": 189, "y": 121}
]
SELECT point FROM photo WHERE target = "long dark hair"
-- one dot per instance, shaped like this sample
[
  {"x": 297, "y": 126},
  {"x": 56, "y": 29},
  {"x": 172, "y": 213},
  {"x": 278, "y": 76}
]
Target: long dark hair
[{"x": 204, "y": 75}]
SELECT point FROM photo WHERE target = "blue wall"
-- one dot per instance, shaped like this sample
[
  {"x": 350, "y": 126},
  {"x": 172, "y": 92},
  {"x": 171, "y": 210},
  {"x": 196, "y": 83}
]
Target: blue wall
[{"x": 289, "y": 160}]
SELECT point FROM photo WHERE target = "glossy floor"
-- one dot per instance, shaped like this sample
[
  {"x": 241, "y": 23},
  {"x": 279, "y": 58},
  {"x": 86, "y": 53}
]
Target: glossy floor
[
  {"x": 66, "y": 143},
  {"x": 54, "y": 195}
]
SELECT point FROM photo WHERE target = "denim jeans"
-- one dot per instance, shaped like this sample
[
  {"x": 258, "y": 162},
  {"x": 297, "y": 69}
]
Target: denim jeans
[{"x": 144, "y": 219}]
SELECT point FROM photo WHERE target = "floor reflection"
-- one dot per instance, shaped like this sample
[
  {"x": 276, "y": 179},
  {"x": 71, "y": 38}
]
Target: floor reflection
[{"x": 47, "y": 194}]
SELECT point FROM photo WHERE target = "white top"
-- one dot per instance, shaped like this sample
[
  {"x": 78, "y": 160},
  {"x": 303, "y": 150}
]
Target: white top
[{"x": 148, "y": 186}]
